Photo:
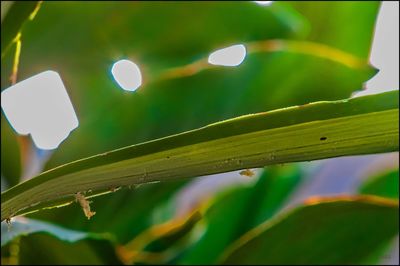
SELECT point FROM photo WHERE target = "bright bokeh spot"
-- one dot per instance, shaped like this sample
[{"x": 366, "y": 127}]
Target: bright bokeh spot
[
  {"x": 384, "y": 53},
  {"x": 264, "y": 3},
  {"x": 127, "y": 75},
  {"x": 40, "y": 106},
  {"x": 229, "y": 56}
]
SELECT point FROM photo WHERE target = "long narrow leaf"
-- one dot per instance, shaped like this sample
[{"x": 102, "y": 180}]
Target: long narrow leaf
[{"x": 314, "y": 131}]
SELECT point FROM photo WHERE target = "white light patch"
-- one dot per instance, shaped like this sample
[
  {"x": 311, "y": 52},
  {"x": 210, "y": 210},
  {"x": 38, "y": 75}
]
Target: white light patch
[
  {"x": 40, "y": 106},
  {"x": 264, "y": 3},
  {"x": 229, "y": 56},
  {"x": 384, "y": 53},
  {"x": 127, "y": 75}
]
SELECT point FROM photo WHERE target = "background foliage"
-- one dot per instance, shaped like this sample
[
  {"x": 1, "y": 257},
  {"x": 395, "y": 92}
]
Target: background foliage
[{"x": 298, "y": 52}]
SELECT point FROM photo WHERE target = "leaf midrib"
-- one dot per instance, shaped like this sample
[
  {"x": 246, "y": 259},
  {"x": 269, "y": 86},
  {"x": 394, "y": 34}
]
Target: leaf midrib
[
  {"x": 235, "y": 126},
  {"x": 101, "y": 176}
]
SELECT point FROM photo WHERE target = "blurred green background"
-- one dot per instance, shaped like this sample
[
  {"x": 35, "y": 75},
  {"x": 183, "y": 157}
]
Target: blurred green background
[{"x": 155, "y": 223}]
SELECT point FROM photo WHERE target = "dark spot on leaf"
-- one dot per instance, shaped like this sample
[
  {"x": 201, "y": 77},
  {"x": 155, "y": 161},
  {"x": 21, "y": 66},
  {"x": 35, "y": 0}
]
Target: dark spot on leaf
[{"x": 322, "y": 138}]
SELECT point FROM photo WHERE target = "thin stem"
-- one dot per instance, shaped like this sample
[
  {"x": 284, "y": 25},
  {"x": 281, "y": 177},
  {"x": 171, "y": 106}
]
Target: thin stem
[
  {"x": 24, "y": 142},
  {"x": 17, "y": 54}
]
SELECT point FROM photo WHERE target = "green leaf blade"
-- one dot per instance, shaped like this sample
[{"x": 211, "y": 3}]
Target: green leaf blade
[
  {"x": 384, "y": 185},
  {"x": 334, "y": 224},
  {"x": 315, "y": 131}
]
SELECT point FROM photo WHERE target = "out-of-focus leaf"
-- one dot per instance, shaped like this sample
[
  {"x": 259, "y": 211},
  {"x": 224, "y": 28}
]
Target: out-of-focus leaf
[
  {"x": 16, "y": 16},
  {"x": 117, "y": 212},
  {"x": 153, "y": 32},
  {"x": 10, "y": 154},
  {"x": 238, "y": 210},
  {"x": 22, "y": 226},
  {"x": 264, "y": 81},
  {"x": 384, "y": 185},
  {"x": 346, "y": 25},
  {"x": 347, "y": 231},
  {"x": 45, "y": 243},
  {"x": 110, "y": 118},
  {"x": 5, "y": 6},
  {"x": 361, "y": 125},
  {"x": 161, "y": 242},
  {"x": 41, "y": 249}
]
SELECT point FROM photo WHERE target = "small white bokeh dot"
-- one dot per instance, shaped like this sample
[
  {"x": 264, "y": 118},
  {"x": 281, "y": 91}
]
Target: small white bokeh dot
[
  {"x": 229, "y": 56},
  {"x": 127, "y": 75}
]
